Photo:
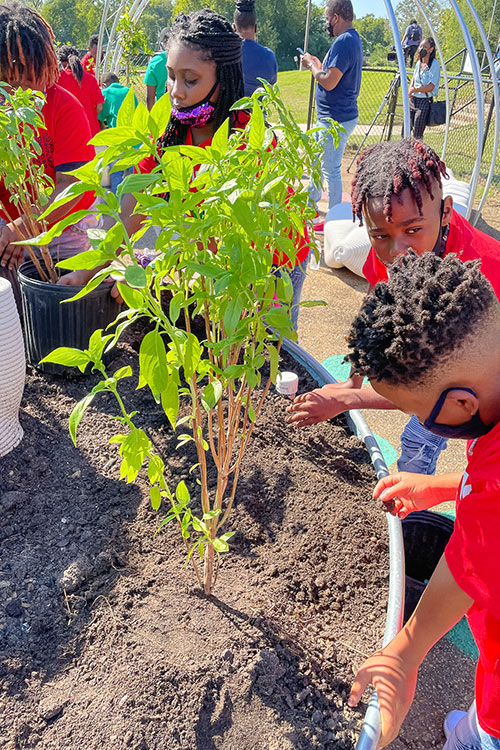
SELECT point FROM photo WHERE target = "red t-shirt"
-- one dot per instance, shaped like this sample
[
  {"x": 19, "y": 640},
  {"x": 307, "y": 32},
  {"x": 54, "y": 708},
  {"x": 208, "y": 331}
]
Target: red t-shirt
[
  {"x": 147, "y": 165},
  {"x": 466, "y": 241},
  {"x": 88, "y": 94},
  {"x": 63, "y": 143},
  {"x": 474, "y": 562},
  {"x": 88, "y": 63}
]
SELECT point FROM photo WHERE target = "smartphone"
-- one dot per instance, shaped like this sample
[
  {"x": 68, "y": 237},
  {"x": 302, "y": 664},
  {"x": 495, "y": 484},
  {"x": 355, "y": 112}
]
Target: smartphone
[{"x": 299, "y": 49}]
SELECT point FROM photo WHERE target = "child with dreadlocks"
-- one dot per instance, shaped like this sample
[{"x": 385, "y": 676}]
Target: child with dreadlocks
[
  {"x": 81, "y": 84},
  {"x": 204, "y": 81},
  {"x": 27, "y": 59},
  {"x": 428, "y": 341},
  {"x": 397, "y": 191}
]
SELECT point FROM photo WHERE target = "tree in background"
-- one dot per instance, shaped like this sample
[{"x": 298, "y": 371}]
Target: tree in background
[
  {"x": 376, "y": 36},
  {"x": 453, "y": 41},
  {"x": 407, "y": 9}
]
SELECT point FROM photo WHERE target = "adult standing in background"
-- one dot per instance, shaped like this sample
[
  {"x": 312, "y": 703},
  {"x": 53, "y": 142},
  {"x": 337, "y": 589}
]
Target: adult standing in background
[
  {"x": 81, "y": 84},
  {"x": 89, "y": 58},
  {"x": 156, "y": 73},
  {"x": 339, "y": 82},
  {"x": 423, "y": 87},
  {"x": 257, "y": 61},
  {"x": 410, "y": 41}
]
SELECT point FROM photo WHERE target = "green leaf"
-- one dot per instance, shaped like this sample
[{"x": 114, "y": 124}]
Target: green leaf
[
  {"x": 87, "y": 260},
  {"x": 76, "y": 415},
  {"x": 273, "y": 361},
  {"x": 155, "y": 496},
  {"x": 132, "y": 298},
  {"x": 65, "y": 355},
  {"x": 153, "y": 369},
  {"x": 211, "y": 395},
  {"x": 170, "y": 402},
  {"x": 251, "y": 414},
  {"x": 192, "y": 355},
  {"x": 257, "y": 128},
  {"x": 220, "y": 139},
  {"x": 313, "y": 303},
  {"x": 141, "y": 117},
  {"x": 160, "y": 112},
  {"x": 156, "y": 468},
  {"x": 126, "y": 113},
  {"x": 135, "y": 183},
  {"x": 182, "y": 492},
  {"x": 114, "y": 136},
  {"x": 136, "y": 276},
  {"x": 232, "y": 314},
  {"x": 123, "y": 372}
]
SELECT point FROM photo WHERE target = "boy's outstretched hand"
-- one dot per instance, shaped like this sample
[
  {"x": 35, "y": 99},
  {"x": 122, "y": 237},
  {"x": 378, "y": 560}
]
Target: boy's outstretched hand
[
  {"x": 404, "y": 492},
  {"x": 320, "y": 404},
  {"x": 394, "y": 679}
]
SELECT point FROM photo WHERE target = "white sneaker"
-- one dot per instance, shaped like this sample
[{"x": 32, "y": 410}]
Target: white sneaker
[{"x": 451, "y": 720}]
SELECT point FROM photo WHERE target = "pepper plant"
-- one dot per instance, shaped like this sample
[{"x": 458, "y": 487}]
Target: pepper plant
[
  {"x": 224, "y": 214},
  {"x": 21, "y": 172}
]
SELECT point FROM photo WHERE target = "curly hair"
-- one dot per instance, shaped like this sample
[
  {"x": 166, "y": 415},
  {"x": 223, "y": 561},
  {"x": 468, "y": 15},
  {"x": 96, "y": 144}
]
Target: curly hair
[
  {"x": 419, "y": 318},
  {"x": 26, "y": 46},
  {"x": 70, "y": 55},
  {"x": 386, "y": 169},
  {"x": 213, "y": 36}
]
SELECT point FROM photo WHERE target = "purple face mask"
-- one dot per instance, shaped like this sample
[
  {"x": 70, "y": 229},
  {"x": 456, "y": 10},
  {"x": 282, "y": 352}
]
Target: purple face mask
[{"x": 198, "y": 114}]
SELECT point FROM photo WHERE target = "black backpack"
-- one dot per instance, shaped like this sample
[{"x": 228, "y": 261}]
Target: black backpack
[{"x": 415, "y": 33}]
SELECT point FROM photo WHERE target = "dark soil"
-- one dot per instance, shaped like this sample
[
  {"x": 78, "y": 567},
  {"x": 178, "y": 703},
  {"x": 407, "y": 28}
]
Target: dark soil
[{"x": 106, "y": 640}]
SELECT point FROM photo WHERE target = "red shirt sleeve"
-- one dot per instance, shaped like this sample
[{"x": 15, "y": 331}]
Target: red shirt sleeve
[
  {"x": 146, "y": 165},
  {"x": 96, "y": 93}
]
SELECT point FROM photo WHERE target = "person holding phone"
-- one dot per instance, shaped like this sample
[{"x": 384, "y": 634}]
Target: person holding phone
[
  {"x": 339, "y": 82},
  {"x": 257, "y": 61}
]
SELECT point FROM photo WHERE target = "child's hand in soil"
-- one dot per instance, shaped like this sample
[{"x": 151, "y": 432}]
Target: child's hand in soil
[
  {"x": 394, "y": 679},
  {"x": 404, "y": 493},
  {"x": 320, "y": 405}
]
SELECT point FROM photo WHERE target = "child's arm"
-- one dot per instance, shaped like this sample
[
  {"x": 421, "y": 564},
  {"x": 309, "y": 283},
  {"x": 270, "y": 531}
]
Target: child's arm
[
  {"x": 331, "y": 400},
  {"x": 393, "y": 670},
  {"x": 404, "y": 492}
]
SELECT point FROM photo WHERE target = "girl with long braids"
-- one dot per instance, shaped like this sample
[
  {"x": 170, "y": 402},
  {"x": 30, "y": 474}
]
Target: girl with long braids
[
  {"x": 397, "y": 191},
  {"x": 28, "y": 60},
  {"x": 204, "y": 80},
  {"x": 424, "y": 86},
  {"x": 81, "y": 84}
]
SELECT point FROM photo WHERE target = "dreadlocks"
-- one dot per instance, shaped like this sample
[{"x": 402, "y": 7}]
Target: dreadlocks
[
  {"x": 244, "y": 14},
  {"x": 388, "y": 168},
  {"x": 427, "y": 310},
  {"x": 26, "y": 46},
  {"x": 211, "y": 35},
  {"x": 70, "y": 55}
]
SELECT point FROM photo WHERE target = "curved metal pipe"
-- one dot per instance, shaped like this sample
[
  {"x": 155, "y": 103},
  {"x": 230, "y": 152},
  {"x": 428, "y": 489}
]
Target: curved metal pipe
[
  {"x": 476, "y": 73},
  {"x": 370, "y": 731},
  {"x": 496, "y": 101},
  {"x": 401, "y": 66},
  {"x": 445, "y": 75}
]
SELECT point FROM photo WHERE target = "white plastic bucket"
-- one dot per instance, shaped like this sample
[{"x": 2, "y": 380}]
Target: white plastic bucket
[{"x": 12, "y": 370}]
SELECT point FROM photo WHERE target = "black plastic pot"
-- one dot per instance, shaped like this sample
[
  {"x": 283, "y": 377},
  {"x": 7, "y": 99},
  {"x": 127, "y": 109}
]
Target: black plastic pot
[
  {"x": 48, "y": 324},
  {"x": 425, "y": 536}
]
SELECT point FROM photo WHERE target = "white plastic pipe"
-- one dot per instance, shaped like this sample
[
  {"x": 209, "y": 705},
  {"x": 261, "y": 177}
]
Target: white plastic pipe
[
  {"x": 401, "y": 66},
  {"x": 476, "y": 74},
  {"x": 445, "y": 75},
  {"x": 12, "y": 369},
  {"x": 496, "y": 101}
]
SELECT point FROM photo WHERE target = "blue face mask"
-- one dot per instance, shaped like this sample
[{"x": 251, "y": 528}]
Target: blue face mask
[{"x": 469, "y": 430}]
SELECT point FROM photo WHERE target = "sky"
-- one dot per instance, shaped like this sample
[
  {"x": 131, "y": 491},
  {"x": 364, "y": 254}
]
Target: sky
[{"x": 362, "y": 7}]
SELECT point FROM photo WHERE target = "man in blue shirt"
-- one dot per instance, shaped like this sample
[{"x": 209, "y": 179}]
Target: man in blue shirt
[
  {"x": 257, "y": 61},
  {"x": 339, "y": 81}
]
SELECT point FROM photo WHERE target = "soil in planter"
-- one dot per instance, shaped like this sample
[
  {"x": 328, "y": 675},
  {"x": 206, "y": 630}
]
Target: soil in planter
[{"x": 105, "y": 639}]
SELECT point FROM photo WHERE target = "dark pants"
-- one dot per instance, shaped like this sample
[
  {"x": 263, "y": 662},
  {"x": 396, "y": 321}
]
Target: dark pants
[
  {"x": 409, "y": 53},
  {"x": 419, "y": 115}
]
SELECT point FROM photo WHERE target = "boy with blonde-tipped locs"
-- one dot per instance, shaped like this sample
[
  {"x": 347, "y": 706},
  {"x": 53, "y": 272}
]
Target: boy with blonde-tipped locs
[{"x": 419, "y": 339}]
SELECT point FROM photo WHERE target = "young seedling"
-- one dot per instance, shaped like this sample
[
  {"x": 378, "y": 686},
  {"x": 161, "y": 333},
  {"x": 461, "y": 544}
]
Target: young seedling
[{"x": 225, "y": 215}]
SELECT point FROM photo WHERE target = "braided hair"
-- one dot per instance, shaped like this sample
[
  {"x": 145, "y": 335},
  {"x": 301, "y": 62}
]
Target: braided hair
[
  {"x": 214, "y": 38},
  {"x": 244, "y": 14},
  {"x": 26, "y": 46},
  {"x": 419, "y": 318},
  {"x": 388, "y": 168},
  {"x": 70, "y": 55}
]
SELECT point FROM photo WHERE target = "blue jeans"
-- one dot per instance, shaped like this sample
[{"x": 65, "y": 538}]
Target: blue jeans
[
  {"x": 468, "y": 735},
  {"x": 117, "y": 178},
  {"x": 420, "y": 448},
  {"x": 331, "y": 162}
]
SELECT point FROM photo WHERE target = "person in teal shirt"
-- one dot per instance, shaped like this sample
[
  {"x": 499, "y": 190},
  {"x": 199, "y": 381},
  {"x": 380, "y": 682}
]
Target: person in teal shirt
[
  {"x": 114, "y": 93},
  {"x": 156, "y": 73}
]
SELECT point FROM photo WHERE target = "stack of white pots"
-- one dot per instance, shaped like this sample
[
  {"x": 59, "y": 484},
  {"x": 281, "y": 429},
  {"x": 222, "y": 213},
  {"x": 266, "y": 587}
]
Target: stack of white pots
[{"x": 12, "y": 370}]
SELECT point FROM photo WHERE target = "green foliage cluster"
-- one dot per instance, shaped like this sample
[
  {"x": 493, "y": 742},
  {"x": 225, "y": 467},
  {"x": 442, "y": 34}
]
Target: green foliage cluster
[
  {"x": 133, "y": 41},
  {"x": 219, "y": 230}
]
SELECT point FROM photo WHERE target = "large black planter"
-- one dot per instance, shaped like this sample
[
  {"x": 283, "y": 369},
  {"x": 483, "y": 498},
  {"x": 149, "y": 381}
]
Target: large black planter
[
  {"x": 425, "y": 535},
  {"x": 49, "y": 324}
]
